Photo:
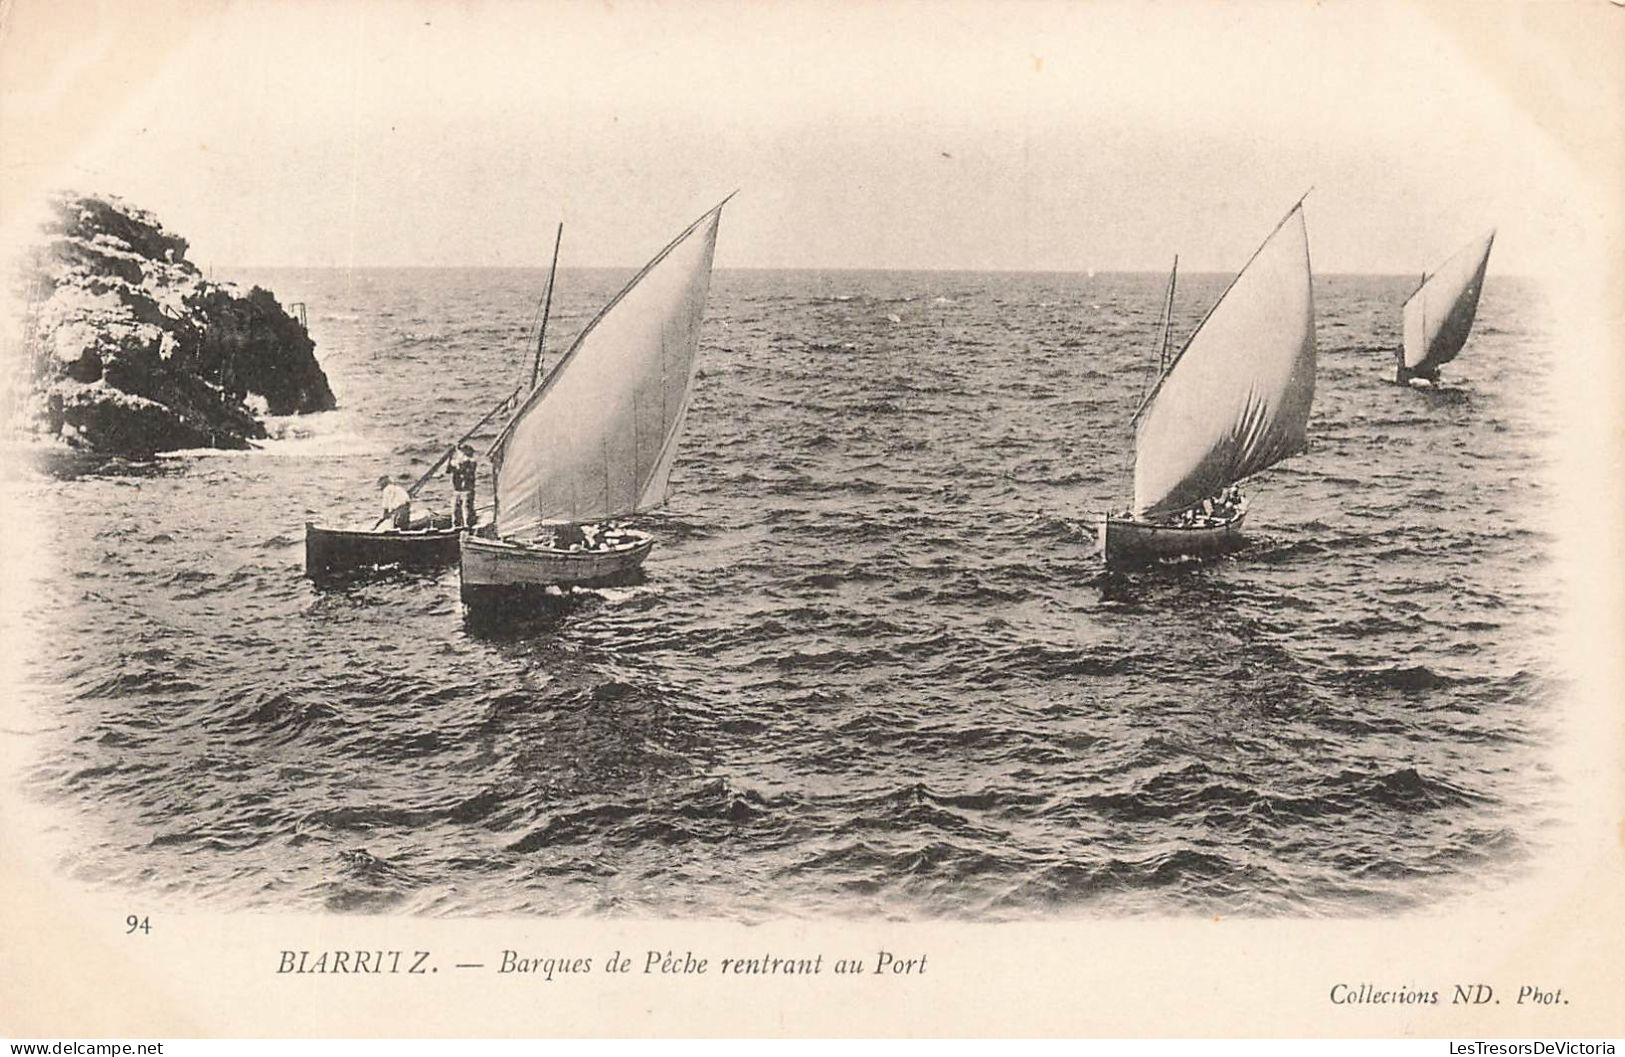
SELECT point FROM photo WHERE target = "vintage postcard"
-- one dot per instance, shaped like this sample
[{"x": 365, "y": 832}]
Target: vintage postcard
[{"x": 812, "y": 518}]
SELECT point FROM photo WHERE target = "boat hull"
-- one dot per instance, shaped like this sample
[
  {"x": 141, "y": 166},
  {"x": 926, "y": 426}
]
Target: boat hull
[
  {"x": 496, "y": 570},
  {"x": 1418, "y": 378},
  {"x": 1127, "y": 542},
  {"x": 335, "y": 554}
]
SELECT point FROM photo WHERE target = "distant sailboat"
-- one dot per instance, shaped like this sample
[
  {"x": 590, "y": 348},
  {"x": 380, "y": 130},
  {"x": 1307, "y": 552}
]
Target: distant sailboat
[
  {"x": 596, "y": 441},
  {"x": 1233, "y": 401},
  {"x": 1439, "y": 314}
]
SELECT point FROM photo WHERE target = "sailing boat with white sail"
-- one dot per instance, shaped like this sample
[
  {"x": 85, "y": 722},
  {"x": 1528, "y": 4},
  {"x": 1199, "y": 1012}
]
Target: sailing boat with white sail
[
  {"x": 1233, "y": 401},
  {"x": 1439, "y": 314},
  {"x": 596, "y": 441}
]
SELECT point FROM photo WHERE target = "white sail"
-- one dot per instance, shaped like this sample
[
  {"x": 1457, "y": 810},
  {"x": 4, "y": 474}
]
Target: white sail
[
  {"x": 597, "y": 439},
  {"x": 1237, "y": 397},
  {"x": 1440, "y": 313}
]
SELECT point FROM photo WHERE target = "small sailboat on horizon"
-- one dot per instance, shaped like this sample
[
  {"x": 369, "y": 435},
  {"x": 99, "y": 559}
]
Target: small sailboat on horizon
[
  {"x": 1439, "y": 313},
  {"x": 1233, "y": 401},
  {"x": 595, "y": 442}
]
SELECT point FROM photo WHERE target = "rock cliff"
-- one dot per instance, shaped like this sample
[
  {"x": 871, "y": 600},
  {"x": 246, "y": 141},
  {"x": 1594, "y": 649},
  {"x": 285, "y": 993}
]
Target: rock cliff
[{"x": 128, "y": 349}]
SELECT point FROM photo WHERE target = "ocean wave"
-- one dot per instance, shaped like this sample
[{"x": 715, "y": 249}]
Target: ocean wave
[{"x": 875, "y": 666}]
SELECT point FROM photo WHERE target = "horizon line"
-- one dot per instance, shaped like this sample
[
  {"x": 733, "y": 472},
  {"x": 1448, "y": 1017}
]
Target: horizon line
[{"x": 813, "y": 268}]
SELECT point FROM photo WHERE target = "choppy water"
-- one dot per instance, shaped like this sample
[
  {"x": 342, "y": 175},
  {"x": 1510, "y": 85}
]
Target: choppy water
[{"x": 875, "y": 668}]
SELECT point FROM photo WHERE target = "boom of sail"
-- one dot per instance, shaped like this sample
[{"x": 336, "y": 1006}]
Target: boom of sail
[
  {"x": 596, "y": 440},
  {"x": 1440, "y": 313},
  {"x": 1236, "y": 398}
]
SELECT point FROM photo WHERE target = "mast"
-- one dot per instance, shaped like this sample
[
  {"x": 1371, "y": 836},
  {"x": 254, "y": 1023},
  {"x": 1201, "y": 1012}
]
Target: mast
[
  {"x": 1167, "y": 319},
  {"x": 547, "y": 305},
  {"x": 1164, "y": 331}
]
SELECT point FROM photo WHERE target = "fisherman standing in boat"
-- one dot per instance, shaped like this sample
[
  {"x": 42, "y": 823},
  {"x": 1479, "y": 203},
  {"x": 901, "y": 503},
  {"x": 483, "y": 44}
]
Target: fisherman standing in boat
[
  {"x": 463, "y": 471},
  {"x": 397, "y": 504}
]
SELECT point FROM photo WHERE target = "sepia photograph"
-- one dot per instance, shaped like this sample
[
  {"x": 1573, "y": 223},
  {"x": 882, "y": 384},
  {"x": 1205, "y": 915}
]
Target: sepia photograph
[{"x": 691, "y": 501}]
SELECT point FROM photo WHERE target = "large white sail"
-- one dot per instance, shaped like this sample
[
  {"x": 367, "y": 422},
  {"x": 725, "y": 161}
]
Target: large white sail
[
  {"x": 597, "y": 439},
  {"x": 1237, "y": 398},
  {"x": 1440, "y": 313}
]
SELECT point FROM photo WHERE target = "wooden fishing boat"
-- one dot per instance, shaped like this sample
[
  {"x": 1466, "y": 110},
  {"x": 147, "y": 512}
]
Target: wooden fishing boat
[
  {"x": 596, "y": 440},
  {"x": 1439, "y": 314},
  {"x": 495, "y": 571},
  {"x": 1233, "y": 401},
  {"x": 431, "y": 542},
  {"x": 1142, "y": 542},
  {"x": 342, "y": 553},
  {"x": 336, "y": 553}
]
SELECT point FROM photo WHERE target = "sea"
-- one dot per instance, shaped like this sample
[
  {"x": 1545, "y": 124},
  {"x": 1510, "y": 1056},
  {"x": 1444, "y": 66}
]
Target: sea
[{"x": 875, "y": 669}]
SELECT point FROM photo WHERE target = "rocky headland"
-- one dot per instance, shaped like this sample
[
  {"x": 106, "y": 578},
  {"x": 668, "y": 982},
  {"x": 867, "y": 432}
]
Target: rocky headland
[{"x": 127, "y": 349}]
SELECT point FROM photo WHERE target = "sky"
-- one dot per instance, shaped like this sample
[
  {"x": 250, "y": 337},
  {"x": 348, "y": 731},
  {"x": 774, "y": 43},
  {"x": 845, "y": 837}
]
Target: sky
[{"x": 954, "y": 135}]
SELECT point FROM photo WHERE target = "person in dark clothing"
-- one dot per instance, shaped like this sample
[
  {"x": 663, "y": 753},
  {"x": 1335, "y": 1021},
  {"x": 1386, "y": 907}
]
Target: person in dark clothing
[
  {"x": 569, "y": 537},
  {"x": 463, "y": 471}
]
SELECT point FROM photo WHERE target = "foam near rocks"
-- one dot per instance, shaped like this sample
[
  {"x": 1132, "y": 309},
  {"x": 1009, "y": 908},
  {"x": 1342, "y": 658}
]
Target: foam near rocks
[{"x": 128, "y": 349}]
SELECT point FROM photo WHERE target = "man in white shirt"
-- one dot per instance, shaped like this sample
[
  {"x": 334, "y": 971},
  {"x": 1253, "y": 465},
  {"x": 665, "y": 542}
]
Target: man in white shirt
[{"x": 397, "y": 503}]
